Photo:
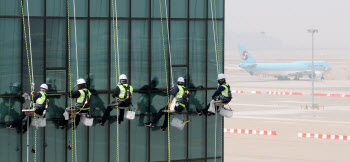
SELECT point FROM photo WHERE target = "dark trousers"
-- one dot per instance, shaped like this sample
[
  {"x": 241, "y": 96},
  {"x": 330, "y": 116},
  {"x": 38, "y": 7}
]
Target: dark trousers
[
  {"x": 22, "y": 115},
  {"x": 160, "y": 113},
  {"x": 77, "y": 119},
  {"x": 107, "y": 114}
]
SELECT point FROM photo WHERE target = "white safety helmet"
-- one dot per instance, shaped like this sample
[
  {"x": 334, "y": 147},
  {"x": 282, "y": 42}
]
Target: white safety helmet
[
  {"x": 123, "y": 79},
  {"x": 180, "y": 80},
  {"x": 221, "y": 76},
  {"x": 81, "y": 81},
  {"x": 44, "y": 86},
  {"x": 123, "y": 76}
]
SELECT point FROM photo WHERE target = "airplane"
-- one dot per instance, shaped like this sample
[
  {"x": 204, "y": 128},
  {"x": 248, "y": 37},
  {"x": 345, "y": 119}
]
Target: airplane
[{"x": 282, "y": 71}]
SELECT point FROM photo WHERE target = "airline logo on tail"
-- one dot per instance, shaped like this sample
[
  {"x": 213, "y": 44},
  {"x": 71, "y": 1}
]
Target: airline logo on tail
[{"x": 245, "y": 55}]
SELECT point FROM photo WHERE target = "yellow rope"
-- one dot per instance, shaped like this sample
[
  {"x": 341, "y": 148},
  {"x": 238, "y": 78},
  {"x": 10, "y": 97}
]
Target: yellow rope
[
  {"x": 70, "y": 83},
  {"x": 116, "y": 77},
  {"x": 30, "y": 77},
  {"x": 166, "y": 76}
]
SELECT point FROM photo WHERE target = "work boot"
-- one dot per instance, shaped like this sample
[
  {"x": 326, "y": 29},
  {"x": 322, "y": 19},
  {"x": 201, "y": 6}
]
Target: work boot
[
  {"x": 199, "y": 112},
  {"x": 101, "y": 122},
  {"x": 210, "y": 113},
  {"x": 149, "y": 124},
  {"x": 24, "y": 130},
  {"x": 164, "y": 129},
  {"x": 10, "y": 126}
]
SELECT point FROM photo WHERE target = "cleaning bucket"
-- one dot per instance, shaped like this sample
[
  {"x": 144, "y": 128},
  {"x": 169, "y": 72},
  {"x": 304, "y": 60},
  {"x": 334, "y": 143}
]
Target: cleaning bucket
[
  {"x": 225, "y": 112},
  {"x": 129, "y": 115},
  {"x": 86, "y": 120},
  {"x": 40, "y": 122},
  {"x": 178, "y": 124}
]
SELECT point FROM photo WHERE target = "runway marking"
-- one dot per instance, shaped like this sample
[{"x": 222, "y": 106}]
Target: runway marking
[
  {"x": 247, "y": 131},
  {"x": 286, "y": 119},
  {"x": 324, "y": 136}
]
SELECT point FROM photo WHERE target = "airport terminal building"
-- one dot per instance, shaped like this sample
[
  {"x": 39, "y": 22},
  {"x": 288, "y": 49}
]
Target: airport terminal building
[{"x": 141, "y": 57}]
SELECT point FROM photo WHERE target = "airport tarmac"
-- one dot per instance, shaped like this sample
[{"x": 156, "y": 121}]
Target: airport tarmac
[{"x": 285, "y": 115}]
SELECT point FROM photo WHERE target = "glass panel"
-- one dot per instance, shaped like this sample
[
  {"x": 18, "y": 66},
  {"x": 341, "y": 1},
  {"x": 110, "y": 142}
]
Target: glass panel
[
  {"x": 179, "y": 8},
  {"x": 138, "y": 139},
  {"x": 9, "y": 108},
  {"x": 139, "y": 53},
  {"x": 123, "y": 31},
  {"x": 99, "y": 54},
  {"x": 159, "y": 143},
  {"x": 10, "y": 8},
  {"x": 219, "y": 6},
  {"x": 56, "y": 80},
  {"x": 37, "y": 35},
  {"x": 179, "y": 41},
  {"x": 198, "y": 8},
  {"x": 11, "y": 145},
  {"x": 56, "y": 47},
  {"x": 99, "y": 8},
  {"x": 197, "y": 53},
  {"x": 122, "y": 8},
  {"x": 123, "y": 140},
  {"x": 82, "y": 143},
  {"x": 55, "y": 144},
  {"x": 139, "y": 8},
  {"x": 211, "y": 131},
  {"x": 99, "y": 104},
  {"x": 57, "y": 105},
  {"x": 158, "y": 101},
  {"x": 81, "y": 8},
  {"x": 211, "y": 135},
  {"x": 98, "y": 142},
  {"x": 82, "y": 41},
  {"x": 196, "y": 136},
  {"x": 36, "y": 8},
  {"x": 180, "y": 72},
  {"x": 155, "y": 9},
  {"x": 178, "y": 141},
  {"x": 10, "y": 56},
  {"x": 140, "y": 100},
  {"x": 159, "y": 42},
  {"x": 212, "y": 70},
  {"x": 197, "y": 125},
  {"x": 56, "y": 8},
  {"x": 39, "y": 143}
]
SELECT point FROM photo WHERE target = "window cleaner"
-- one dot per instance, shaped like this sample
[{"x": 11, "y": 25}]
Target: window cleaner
[
  {"x": 222, "y": 96},
  {"x": 41, "y": 103},
  {"x": 178, "y": 104},
  {"x": 82, "y": 106},
  {"x": 123, "y": 99}
]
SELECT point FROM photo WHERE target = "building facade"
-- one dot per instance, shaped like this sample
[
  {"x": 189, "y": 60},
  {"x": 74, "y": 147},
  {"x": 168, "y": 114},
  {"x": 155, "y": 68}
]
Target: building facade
[{"x": 142, "y": 58}]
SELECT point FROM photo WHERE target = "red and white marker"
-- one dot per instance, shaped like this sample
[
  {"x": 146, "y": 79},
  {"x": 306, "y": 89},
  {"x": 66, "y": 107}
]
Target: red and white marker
[
  {"x": 247, "y": 131},
  {"x": 323, "y": 136},
  {"x": 237, "y": 91}
]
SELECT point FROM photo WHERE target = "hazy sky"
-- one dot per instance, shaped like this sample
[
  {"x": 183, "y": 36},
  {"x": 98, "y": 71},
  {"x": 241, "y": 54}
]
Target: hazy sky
[{"x": 283, "y": 23}]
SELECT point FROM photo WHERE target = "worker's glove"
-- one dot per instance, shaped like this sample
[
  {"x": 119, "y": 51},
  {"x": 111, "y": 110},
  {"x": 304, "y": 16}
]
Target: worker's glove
[{"x": 26, "y": 96}]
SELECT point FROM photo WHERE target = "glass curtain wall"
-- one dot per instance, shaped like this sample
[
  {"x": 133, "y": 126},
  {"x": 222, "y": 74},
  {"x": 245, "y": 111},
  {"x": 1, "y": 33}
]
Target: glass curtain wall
[{"x": 144, "y": 57}]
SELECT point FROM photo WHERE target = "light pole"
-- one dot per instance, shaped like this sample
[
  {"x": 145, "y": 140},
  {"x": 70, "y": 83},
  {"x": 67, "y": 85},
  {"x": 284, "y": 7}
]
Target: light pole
[{"x": 312, "y": 31}]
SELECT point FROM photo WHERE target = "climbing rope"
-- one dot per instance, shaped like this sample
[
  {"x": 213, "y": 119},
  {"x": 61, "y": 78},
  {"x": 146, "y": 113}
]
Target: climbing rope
[
  {"x": 30, "y": 73},
  {"x": 218, "y": 69},
  {"x": 117, "y": 69},
  {"x": 166, "y": 73},
  {"x": 167, "y": 26},
  {"x": 70, "y": 85}
]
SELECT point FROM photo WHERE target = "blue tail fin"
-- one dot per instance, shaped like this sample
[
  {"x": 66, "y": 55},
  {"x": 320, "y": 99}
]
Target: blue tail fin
[{"x": 246, "y": 57}]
